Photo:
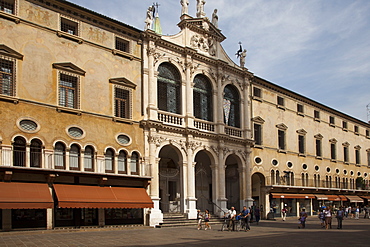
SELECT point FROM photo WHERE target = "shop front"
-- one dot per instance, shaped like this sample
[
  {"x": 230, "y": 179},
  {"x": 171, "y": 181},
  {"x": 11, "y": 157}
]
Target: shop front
[
  {"x": 79, "y": 205},
  {"x": 294, "y": 203}
]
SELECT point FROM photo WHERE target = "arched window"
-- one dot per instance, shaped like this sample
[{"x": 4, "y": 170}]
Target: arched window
[
  {"x": 277, "y": 177},
  {"x": 272, "y": 177},
  {"x": 74, "y": 157},
  {"x": 35, "y": 153},
  {"x": 202, "y": 98},
  {"x": 122, "y": 162},
  {"x": 231, "y": 106},
  {"x": 134, "y": 164},
  {"x": 19, "y": 151},
  {"x": 109, "y": 160},
  {"x": 89, "y": 158},
  {"x": 60, "y": 156},
  {"x": 169, "y": 88}
]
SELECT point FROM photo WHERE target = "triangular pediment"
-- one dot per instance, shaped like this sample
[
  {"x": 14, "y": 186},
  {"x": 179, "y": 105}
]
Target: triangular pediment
[
  {"x": 318, "y": 136},
  {"x": 9, "y": 52},
  {"x": 123, "y": 82},
  {"x": 69, "y": 67},
  {"x": 282, "y": 126},
  {"x": 258, "y": 119},
  {"x": 333, "y": 140},
  {"x": 345, "y": 144},
  {"x": 301, "y": 131},
  {"x": 202, "y": 26}
]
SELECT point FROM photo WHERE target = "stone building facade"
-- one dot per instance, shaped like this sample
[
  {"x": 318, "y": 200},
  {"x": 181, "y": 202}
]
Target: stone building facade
[
  {"x": 92, "y": 109},
  {"x": 70, "y": 111},
  {"x": 196, "y": 122},
  {"x": 305, "y": 154}
]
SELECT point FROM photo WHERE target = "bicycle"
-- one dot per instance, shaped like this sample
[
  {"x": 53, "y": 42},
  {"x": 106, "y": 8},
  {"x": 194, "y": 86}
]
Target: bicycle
[{"x": 225, "y": 224}]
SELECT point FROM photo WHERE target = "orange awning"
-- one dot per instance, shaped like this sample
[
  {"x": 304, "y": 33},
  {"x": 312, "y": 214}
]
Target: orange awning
[
  {"x": 25, "y": 196},
  {"x": 78, "y": 196},
  {"x": 366, "y": 197},
  {"x": 292, "y": 196}
]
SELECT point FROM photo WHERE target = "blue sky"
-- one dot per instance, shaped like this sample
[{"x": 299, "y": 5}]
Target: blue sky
[{"x": 317, "y": 48}]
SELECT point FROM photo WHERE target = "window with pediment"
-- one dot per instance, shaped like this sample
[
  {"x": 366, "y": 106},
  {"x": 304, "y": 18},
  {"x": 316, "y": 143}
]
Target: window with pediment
[
  {"x": 169, "y": 88},
  {"x": 231, "y": 106},
  {"x": 202, "y": 98},
  {"x": 8, "y": 62}
]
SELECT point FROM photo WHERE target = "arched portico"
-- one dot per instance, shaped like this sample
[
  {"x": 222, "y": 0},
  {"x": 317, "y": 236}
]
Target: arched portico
[
  {"x": 171, "y": 189},
  {"x": 232, "y": 181},
  {"x": 259, "y": 191},
  {"x": 204, "y": 188}
]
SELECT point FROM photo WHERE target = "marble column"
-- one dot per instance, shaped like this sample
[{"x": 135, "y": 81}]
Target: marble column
[
  {"x": 221, "y": 198},
  {"x": 191, "y": 211},
  {"x": 155, "y": 214}
]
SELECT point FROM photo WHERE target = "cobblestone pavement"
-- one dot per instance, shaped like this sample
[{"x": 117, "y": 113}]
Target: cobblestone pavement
[{"x": 267, "y": 233}]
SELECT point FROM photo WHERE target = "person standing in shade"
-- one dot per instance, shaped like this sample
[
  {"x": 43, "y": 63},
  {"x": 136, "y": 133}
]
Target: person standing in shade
[
  {"x": 231, "y": 214},
  {"x": 340, "y": 216},
  {"x": 257, "y": 214}
]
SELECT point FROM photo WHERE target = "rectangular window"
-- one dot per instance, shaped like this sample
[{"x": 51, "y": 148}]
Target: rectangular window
[
  {"x": 258, "y": 134},
  {"x": 257, "y": 92},
  {"x": 345, "y": 154},
  {"x": 68, "y": 89},
  {"x": 333, "y": 153},
  {"x": 368, "y": 158},
  {"x": 7, "y": 77},
  {"x": 122, "y": 45},
  {"x": 367, "y": 133},
  {"x": 301, "y": 144},
  {"x": 281, "y": 139},
  {"x": 122, "y": 103},
  {"x": 280, "y": 101},
  {"x": 7, "y": 6},
  {"x": 318, "y": 148},
  {"x": 357, "y": 155},
  {"x": 300, "y": 108},
  {"x": 331, "y": 120},
  {"x": 356, "y": 129},
  {"x": 316, "y": 114},
  {"x": 69, "y": 26},
  {"x": 344, "y": 125}
]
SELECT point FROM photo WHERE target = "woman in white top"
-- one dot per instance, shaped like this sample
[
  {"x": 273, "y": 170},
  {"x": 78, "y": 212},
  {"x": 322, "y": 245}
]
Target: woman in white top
[{"x": 328, "y": 217}]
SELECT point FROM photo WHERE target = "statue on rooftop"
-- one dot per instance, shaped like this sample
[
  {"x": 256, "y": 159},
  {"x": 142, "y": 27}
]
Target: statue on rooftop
[
  {"x": 215, "y": 18},
  {"x": 200, "y": 8},
  {"x": 184, "y": 4},
  {"x": 149, "y": 18}
]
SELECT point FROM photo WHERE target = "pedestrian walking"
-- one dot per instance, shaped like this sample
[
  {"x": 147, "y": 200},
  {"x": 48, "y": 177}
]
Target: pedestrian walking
[
  {"x": 199, "y": 218},
  {"x": 207, "y": 217},
  {"x": 322, "y": 218},
  {"x": 302, "y": 218},
  {"x": 328, "y": 217},
  {"x": 231, "y": 214},
  {"x": 340, "y": 216},
  {"x": 357, "y": 213},
  {"x": 283, "y": 213},
  {"x": 257, "y": 214}
]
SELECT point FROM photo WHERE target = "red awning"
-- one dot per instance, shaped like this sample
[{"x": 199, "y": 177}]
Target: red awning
[
  {"x": 25, "y": 196},
  {"x": 78, "y": 196},
  {"x": 292, "y": 196}
]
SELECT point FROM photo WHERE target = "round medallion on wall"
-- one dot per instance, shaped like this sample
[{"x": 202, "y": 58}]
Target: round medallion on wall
[
  {"x": 337, "y": 171},
  {"x": 345, "y": 172},
  {"x": 28, "y": 125},
  {"x": 317, "y": 168},
  {"x": 258, "y": 160},
  {"x": 274, "y": 162},
  {"x": 123, "y": 139},
  {"x": 304, "y": 166},
  {"x": 365, "y": 175},
  {"x": 75, "y": 132},
  {"x": 351, "y": 173},
  {"x": 358, "y": 174},
  {"x": 328, "y": 169}
]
